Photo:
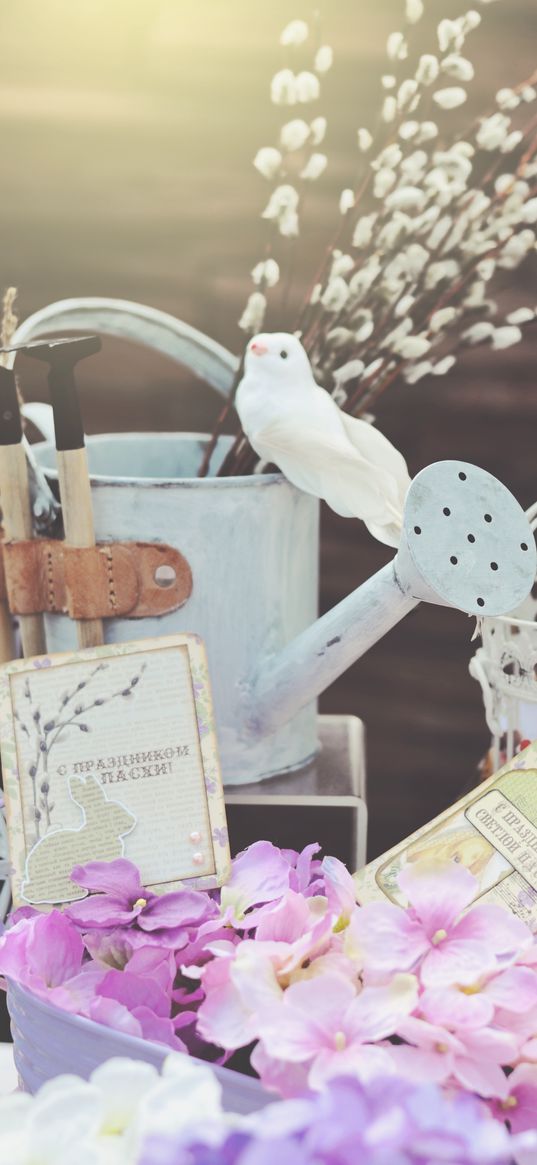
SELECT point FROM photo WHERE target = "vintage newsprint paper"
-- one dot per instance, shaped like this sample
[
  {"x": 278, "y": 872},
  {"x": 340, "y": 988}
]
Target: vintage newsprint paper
[
  {"x": 492, "y": 831},
  {"x": 111, "y": 752}
]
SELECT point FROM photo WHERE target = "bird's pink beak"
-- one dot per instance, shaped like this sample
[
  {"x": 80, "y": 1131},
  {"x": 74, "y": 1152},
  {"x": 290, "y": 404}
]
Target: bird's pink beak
[{"x": 258, "y": 349}]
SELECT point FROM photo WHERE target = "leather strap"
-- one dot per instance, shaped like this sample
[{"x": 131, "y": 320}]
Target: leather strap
[{"x": 131, "y": 580}]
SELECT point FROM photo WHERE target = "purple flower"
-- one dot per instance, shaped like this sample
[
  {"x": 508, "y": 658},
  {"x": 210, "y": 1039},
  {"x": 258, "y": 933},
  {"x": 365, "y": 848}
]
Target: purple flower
[
  {"x": 118, "y": 900},
  {"x": 384, "y": 1122}
]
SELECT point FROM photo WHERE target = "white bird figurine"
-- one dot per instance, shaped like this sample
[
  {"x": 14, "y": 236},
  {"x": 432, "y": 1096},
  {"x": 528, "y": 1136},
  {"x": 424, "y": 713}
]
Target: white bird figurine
[{"x": 290, "y": 421}]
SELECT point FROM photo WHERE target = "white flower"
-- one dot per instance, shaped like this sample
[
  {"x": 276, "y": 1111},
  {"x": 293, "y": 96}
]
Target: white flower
[
  {"x": 406, "y": 94},
  {"x": 458, "y": 67},
  {"x": 427, "y": 131},
  {"x": 323, "y": 59},
  {"x": 384, "y": 182},
  {"x": 396, "y": 47},
  {"x": 388, "y": 81},
  {"x": 294, "y": 134},
  {"x": 349, "y": 371},
  {"x": 416, "y": 372},
  {"x": 413, "y": 347},
  {"x": 283, "y": 88},
  {"x": 493, "y": 131},
  {"x": 442, "y": 318},
  {"x": 416, "y": 257},
  {"x": 307, "y": 87},
  {"x": 341, "y": 264},
  {"x": 475, "y": 296},
  {"x": 528, "y": 93},
  {"x": 316, "y": 293},
  {"x": 505, "y": 337},
  {"x": 450, "y": 98},
  {"x": 315, "y": 166},
  {"x": 339, "y": 336},
  {"x": 288, "y": 223},
  {"x": 267, "y": 272},
  {"x": 346, "y": 200},
  {"x": 413, "y": 166},
  {"x": 335, "y": 294},
  {"x": 364, "y": 279},
  {"x": 365, "y": 329},
  {"x": 414, "y": 10},
  {"x": 529, "y": 211},
  {"x": 450, "y": 36},
  {"x": 393, "y": 231},
  {"x": 294, "y": 33},
  {"x": 363, "y": 231},
  {"x": 427, "y": 70},
  {"x": 406, "y": 198},
  {"x": 408, "y": 130},
  {"x": 373, "y": 367},
  {"x": 389, "y": 109},
  {"x": 254, "y": 313},
  {"x": 522, "y": 315},
  {"x": 405, "y": 305},
  {"x": 317, "y": 130},
  {"x": 443, "y": 366},
  {"x": 478, "y": 332},
  {"x": 390, "y": 157},
  {"x": 268, "y": 161},
  {"x": 512, "y": 141},
  {"x": 507, "y": 99},
  {"x": 282, "y": 198},
  {"x": 444, "y": 269},
  {"x": 365, "y": 140},
  {"x": 439, "y": 231},
  {"x": 470, "y": 20},
  {"x": 486, "y": 268}
]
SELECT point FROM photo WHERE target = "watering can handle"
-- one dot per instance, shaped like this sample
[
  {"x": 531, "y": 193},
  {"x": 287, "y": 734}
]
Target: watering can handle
[{"x": 209, "y": 361}]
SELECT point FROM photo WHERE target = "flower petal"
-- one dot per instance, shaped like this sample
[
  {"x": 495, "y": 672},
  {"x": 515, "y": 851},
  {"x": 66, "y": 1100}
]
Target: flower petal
[
  {"x": 377, "y": 1011},
  {"x": 120, "y": 878},
  {"x": 438, "y": 891},
  {"x": 179, "y": 908}
]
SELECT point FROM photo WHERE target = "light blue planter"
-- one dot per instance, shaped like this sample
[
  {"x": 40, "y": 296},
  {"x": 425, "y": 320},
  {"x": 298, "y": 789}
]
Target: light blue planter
[{"x": 49, "y": 1042}]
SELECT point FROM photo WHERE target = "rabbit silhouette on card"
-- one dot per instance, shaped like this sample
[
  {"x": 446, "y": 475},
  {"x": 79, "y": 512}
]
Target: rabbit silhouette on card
[{"x": 100, "y": 837}]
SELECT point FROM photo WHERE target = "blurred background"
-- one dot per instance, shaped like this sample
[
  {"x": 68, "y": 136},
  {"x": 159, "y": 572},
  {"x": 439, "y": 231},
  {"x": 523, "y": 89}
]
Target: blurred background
[{"x": 128, "y": 130}]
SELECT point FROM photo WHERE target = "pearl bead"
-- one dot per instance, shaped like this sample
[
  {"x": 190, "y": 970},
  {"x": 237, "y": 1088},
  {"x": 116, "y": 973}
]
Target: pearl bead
[
  {"x": 198, "y": 859},
  {"x": 195, "y": 836}
]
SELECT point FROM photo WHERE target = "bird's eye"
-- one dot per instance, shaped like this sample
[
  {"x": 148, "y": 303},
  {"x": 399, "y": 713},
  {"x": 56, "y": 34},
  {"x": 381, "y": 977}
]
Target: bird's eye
[{"x": 284, "y": 354}]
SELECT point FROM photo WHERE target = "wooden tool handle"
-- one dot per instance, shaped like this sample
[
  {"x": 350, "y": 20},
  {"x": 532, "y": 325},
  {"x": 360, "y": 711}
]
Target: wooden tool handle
[
  {"x": 17, "y": 517},
  {"x": 77, "y": 510}
]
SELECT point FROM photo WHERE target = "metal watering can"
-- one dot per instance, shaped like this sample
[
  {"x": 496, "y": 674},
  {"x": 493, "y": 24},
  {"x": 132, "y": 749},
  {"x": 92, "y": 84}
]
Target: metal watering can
[{"x": 252, "y": 544}]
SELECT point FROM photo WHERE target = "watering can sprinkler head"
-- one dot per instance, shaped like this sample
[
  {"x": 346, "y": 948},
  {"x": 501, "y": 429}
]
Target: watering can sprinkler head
[{"x": 465, "y": 543}]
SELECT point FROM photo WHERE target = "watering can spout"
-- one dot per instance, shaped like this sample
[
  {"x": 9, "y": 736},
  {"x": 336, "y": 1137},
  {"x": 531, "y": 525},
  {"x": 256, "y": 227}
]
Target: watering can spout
[{"x": 465, "y": 543}]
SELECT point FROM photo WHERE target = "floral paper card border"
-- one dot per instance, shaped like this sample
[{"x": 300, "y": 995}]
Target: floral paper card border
[{"x": 110, "y": 752}]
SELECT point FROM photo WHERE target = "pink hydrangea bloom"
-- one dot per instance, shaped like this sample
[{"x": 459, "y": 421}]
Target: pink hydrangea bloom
[
  {"x": 451, "y": 943},
  {"x": 326, "y": 1023},
  {"x": 519, "y": 1103}
]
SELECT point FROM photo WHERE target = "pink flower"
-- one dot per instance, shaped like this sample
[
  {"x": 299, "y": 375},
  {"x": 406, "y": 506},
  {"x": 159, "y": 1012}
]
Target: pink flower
[
  {"x": 513, "y": 990},
  {"x": 471, "y": 1057},
  {"x": 324, "y": 1023},
  {"x": 340, "y": 891},
  {"x": 43, "y": 953},
  {"x": 118, "y": 899},
  {"x": 259, "y": 874},
  {"x": 450, "y": 943},
  {"x": 519, "y": 1105}
]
